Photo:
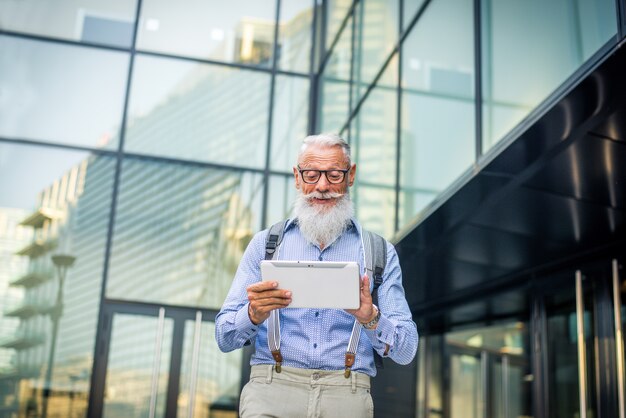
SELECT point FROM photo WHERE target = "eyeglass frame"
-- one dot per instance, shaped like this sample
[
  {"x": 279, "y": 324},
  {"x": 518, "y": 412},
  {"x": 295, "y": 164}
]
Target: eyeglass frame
[{"x": 325, "y": 172}]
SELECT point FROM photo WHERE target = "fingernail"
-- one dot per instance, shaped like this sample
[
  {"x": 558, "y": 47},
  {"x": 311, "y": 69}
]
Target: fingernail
[
  {"x": 274, "y": 284},
  {"x": 288, "y": 294}
]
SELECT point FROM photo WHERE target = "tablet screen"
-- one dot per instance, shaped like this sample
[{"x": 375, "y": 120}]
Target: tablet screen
[{"x": 316, "y": 284}]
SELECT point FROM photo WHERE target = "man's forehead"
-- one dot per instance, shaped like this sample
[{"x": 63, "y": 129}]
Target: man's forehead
[{"x": 323, "y": 154}]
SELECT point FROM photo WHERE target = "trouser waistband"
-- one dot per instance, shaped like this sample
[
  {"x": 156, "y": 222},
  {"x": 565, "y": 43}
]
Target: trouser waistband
[{"x": 310, "y": 376}]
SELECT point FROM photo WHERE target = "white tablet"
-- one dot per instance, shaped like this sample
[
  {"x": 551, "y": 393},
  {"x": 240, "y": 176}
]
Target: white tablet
[{"x": 316, "y": 284}]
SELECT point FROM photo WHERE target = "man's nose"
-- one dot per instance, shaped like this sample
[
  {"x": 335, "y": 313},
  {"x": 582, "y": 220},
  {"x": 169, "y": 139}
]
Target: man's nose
[{"x": 322, "y": 184}]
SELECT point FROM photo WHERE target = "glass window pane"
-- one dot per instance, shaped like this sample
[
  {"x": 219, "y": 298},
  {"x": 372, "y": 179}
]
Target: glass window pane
[
  {"x": 437, "y": 103},
  {"x": 109, "y": 23},
  {"x": 375, "y": 208},
  {"x": 196, "y": 111},
  {"x": 63, "y": 200},
  {"x": 290, "y": 120},
  {"x": 282, "y": 193},
  {"x": 411, "y": 7},
  {"x": 373, "y": 133},
  {"x": 61, "y": 93},
  {"x": 335, "y": 88},
  {"x": 411, "y": 202},
  {"x": 336, "y": 13},
  {"x": 218, "y": 376},
  {"x": 180, "y": 231},
  {"x": 294, "y": 35},
  {"x": 376, "y": 36},
  {"x": 568, "y": 32},
  {"x": 240, "y": 31}
]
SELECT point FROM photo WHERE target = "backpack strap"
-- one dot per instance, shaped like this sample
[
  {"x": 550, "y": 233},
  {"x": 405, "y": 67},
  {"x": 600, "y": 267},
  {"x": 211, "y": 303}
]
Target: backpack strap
[
  {"x": 272, "y": 242},
  {"x": 274, "y": 238},
  {"x": 375, "y": 249}
]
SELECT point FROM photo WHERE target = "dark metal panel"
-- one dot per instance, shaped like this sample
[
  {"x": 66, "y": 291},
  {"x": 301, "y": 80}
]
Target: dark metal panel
[
  {"x": 452, "y": 212},
  {"x": 393, "y": 390},
  {"x": 494, "y": 247},
  {"x": 592, "y": 169},
  {"x": 614, "y": 127},
  {"x": 552, "y": 220}
]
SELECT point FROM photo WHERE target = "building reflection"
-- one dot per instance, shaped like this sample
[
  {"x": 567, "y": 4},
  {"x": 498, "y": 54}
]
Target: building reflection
[{"x": 185, "y": 225}]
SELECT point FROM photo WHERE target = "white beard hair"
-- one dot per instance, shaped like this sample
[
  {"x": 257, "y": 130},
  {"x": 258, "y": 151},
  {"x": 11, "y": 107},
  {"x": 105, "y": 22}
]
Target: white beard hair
[{"x": 320, "y": 225}]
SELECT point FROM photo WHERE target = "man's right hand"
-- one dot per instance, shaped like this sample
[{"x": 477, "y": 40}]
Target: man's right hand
[{"x": 264, "y": 297}]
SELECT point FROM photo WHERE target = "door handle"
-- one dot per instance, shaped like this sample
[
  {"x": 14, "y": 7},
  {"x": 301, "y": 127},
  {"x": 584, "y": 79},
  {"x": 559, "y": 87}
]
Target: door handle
[
  {"x": 193, "y": 376},
  {"x": 158, "y": 345},
  {"x": 580, "y": 327},
  {"x": 619, "y": 342}
]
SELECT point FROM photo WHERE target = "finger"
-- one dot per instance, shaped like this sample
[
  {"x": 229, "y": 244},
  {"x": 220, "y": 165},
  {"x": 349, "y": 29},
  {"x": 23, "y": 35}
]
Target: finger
[
  {"x": 265, "y": 310},
  {"x": 262, "y": 286},
  {"x": 260, "y": 303},
  {"x": 269, "y": 294},
  {"x": 365, "y": 287}
]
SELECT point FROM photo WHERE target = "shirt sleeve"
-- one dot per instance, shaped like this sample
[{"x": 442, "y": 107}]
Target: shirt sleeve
[
  {"x": 233, "y": 328},
  {"x": 395, "y": 327}
]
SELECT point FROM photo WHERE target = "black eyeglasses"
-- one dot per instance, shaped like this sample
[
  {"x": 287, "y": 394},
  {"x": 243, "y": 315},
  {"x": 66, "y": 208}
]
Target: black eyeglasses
[{"x": 313, "y": 176}]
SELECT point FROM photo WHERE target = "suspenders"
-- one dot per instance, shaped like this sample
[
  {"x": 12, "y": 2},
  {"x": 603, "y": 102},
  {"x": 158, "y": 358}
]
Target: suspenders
[{"x": 374, "y": 249}]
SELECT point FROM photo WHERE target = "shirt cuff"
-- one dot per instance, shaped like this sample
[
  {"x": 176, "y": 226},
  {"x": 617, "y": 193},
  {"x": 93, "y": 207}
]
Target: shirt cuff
[
  {"x": 244, "y": 325},
  {"x": 383, "y": 335}
]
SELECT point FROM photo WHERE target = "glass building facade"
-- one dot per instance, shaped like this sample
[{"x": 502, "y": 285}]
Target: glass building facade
[{"x": 143, "y": 143}]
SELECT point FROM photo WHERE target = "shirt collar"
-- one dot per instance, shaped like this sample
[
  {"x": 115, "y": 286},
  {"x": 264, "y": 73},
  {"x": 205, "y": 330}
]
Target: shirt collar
[{"x": 353, "y": 224}]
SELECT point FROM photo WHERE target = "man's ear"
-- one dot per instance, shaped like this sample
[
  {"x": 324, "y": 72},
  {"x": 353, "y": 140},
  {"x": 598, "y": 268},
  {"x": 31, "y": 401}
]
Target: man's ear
[
  {"x": 296, "y": 177},
  {"x": 351, "y": 175}
]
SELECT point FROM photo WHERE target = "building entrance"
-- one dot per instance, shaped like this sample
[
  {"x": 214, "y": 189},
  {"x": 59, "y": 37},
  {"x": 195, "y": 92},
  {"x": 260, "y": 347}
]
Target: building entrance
[
  {"x": 156, "y": 364},
  {"x": 553, "y": 348}
]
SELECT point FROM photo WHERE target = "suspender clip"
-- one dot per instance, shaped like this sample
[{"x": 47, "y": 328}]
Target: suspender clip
[
  {"x": 349, "y": 363},
  {"x": 278, "y": 358}
]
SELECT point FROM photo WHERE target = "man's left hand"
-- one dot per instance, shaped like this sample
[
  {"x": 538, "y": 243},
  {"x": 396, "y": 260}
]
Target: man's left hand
[{"x": 366, "y": 311}]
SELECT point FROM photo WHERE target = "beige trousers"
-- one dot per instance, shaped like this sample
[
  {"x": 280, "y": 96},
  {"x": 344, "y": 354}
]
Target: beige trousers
[{"x": 299, "y": 393}]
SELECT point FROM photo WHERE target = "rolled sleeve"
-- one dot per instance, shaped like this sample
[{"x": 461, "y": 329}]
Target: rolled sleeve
[
  {"x": 246, "y": 329},
  {"x": 383, "y": 335}
]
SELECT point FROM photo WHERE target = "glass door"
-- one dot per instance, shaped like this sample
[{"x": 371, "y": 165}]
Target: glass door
[
  {"x": 163, "y": 362},
  {"x": 489, "y": 372},
  {"x": 570, "y": 347},
  {"x": 137, "y": 374}
]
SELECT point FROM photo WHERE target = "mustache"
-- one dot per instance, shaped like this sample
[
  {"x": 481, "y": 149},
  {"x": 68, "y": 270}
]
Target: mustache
[{"x": 319, "y": 195}]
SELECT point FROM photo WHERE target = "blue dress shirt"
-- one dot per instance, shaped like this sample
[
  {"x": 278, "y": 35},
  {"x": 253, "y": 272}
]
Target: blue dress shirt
[{"x": 318, "y": 338}]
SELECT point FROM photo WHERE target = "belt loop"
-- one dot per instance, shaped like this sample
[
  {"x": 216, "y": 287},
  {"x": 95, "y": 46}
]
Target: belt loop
[
  {"x": 270, "y": 371},
  {"x": 353, "y": 382}
]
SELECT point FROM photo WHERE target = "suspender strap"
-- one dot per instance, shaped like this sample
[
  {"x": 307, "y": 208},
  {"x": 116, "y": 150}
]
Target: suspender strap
[
  {"x": 352, "y": 346},
  {"x": 274, "y": 238}
]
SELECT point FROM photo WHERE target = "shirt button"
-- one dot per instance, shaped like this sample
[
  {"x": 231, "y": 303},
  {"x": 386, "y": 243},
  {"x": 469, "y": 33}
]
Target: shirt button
[
  {"x": 320, "y": 258},
  {"x": 315, "y": 345},
  {"x": 380, "y": 334},
  {"x": 317, "y": 314}
]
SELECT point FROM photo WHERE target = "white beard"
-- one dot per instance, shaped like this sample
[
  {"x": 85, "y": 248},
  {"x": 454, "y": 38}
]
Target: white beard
[{"x": 321, "y": 225}]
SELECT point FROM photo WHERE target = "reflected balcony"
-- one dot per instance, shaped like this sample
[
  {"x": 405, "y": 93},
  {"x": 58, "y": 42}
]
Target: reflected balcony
[
  {"x": 26, "y": 309},
  {"x": 37, "y": 248},
  {"x": 22, "y": 340},
  {"x": 33, "y": 278},
  {"x": 40, "y": 216},
  {"x": 13, "y": 374}
]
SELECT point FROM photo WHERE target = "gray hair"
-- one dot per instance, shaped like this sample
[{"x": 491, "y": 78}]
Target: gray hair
[{"x": 325, "y": 140}]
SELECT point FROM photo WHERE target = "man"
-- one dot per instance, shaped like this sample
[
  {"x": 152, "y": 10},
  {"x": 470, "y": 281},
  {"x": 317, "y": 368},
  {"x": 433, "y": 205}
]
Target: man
[{"x": 311, "y": 381}]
